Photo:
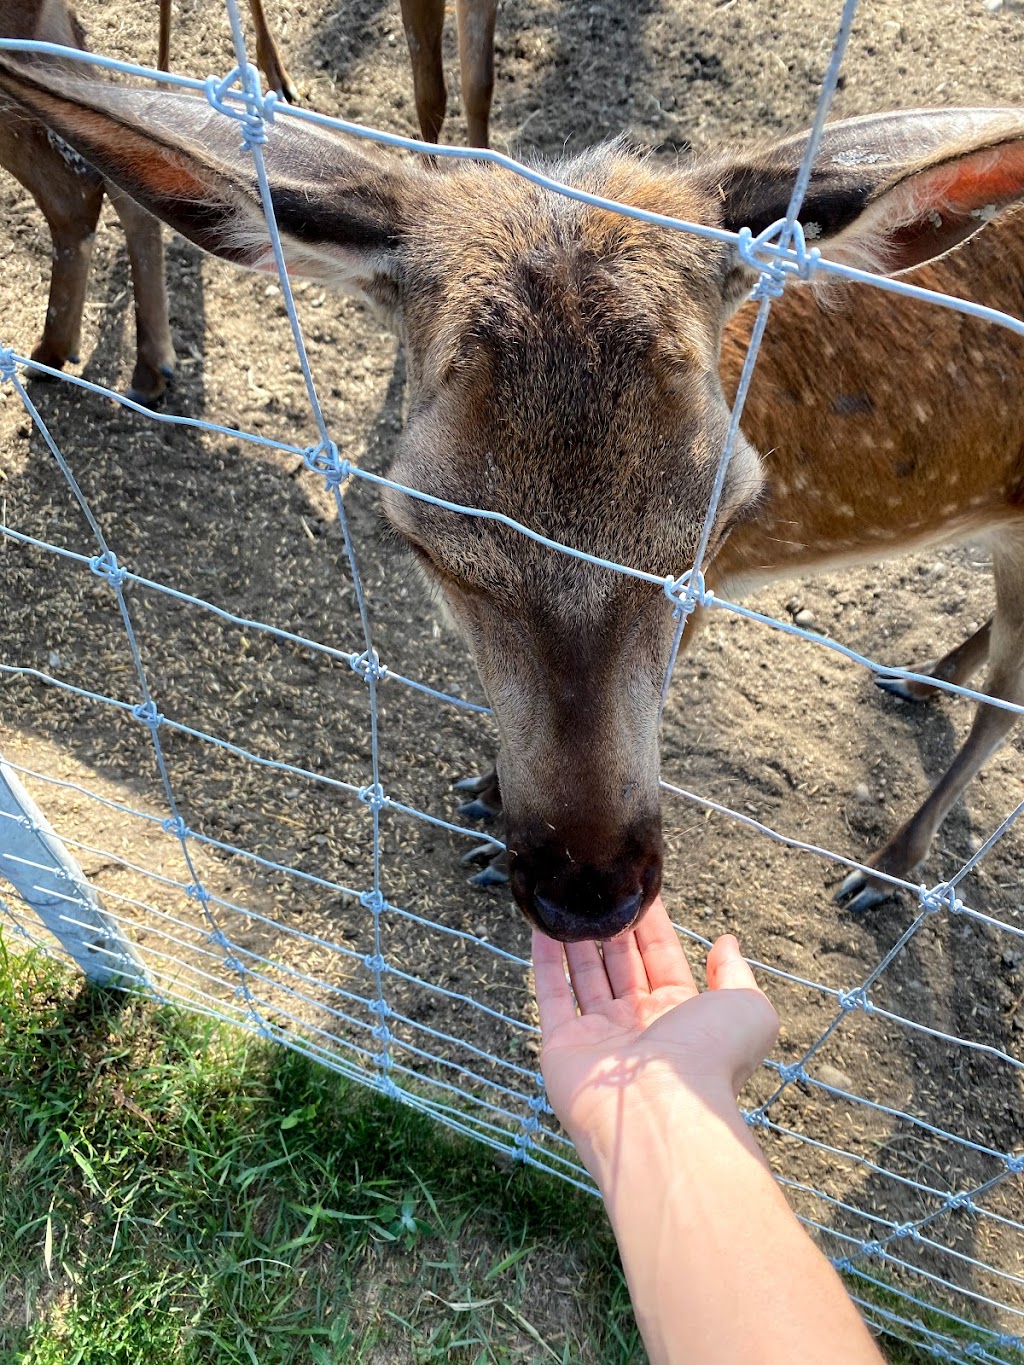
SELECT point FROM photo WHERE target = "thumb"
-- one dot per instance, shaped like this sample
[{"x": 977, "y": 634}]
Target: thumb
[
  {"x": 754, "y": 1023},
  {"x": 726, "y": 969}
]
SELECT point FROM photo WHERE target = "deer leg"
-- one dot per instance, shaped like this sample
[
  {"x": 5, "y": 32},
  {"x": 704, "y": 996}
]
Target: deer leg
[
  {"x": 154, "y": 359},
  {"x": 958, "y": 666},
  {"x": 268, "y": 57},
  {"x": 424, "y": 23},
  {"x": 476, "y": 64},
  {"x": 70, "y": 195},
  {"x": 163, "y": 43},
  {"x": 909, "y": 845}
]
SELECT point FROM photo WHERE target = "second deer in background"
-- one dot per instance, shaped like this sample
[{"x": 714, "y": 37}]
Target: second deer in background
[{"x": 424, "y": 32}]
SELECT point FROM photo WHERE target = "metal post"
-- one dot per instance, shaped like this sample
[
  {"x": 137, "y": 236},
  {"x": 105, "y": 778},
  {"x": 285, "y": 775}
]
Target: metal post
[{"x": 50, "y": 881}]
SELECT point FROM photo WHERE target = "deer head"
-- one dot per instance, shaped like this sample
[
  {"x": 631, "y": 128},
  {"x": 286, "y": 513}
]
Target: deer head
[{"x": 563, "y": 371}]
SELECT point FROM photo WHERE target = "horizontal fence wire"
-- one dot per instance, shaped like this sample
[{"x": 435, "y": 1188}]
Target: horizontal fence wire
[{"x": 940, "y": 1275}]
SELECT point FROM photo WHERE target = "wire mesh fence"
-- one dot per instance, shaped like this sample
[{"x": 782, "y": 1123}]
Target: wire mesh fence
[{"x": 922, "y": 1210}]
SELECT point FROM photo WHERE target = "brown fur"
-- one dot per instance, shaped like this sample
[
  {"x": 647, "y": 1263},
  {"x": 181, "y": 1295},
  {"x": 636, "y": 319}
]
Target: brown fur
[
  {"x": 70, "y": 195},
  {"x": 566, "y": 370}
]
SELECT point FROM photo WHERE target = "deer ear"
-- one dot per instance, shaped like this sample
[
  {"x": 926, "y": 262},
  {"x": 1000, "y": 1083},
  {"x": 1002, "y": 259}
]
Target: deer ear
[
  {"x": 340, "y": 214},
  {"x": 888, "y": 192}
]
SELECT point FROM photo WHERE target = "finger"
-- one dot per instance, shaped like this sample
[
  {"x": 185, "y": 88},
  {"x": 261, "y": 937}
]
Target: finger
[
  {"x": 554, "y": 998},
  {"x": 624, "y": 966},
  {"x": 726, "y": 969},
  {"x": 663, "y": 957},
  {"x": 590, "y": 982}
]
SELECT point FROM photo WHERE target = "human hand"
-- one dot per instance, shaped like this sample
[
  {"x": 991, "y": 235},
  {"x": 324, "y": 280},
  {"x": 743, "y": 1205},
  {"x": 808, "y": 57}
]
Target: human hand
[{"x": 644, "y": 1034}]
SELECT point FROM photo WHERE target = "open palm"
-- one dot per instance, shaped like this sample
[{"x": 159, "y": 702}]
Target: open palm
[{"x": 641, "y": 1023}]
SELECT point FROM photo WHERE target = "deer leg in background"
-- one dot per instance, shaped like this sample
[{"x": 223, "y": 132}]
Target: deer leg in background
[
  {"x": 476, "y": 20},
  {"x": 70, "y": 194},
  {"x": 424, "y": 24},
  {"x": 268, "y": 57},
  {"x": 163, "y": 42},
  {"x": 154, "y": 360},
  {"x": 958, "y": 666},
  {"x": 909, "y": 845}
]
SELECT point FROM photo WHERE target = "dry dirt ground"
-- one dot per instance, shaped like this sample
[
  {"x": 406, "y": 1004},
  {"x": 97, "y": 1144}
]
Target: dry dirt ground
[{"x": 786, "y": 731}]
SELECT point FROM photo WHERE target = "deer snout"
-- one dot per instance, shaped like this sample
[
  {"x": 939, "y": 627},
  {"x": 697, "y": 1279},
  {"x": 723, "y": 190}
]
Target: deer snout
[{"x": 572, "y": 898}]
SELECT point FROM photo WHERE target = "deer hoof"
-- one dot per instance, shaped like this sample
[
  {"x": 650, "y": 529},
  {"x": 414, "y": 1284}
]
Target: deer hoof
[
  {"x": 473, "y": 785},
  {"x": 486, "y": 803},
  {"x": 476, "y": 810},
  {"x": 494, "y": 874},
  {"x": 481, "y": 853},
  {"x": 855, "y": 894},
  {"x": 902, "y": 688}
]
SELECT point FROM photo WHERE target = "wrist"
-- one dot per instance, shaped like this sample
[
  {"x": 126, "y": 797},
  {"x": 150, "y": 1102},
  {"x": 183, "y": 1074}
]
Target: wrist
[{"x": 641, "y": 1128}]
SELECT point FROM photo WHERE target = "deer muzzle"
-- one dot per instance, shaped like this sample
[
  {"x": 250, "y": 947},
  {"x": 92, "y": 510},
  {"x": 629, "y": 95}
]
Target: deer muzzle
[{"x": 576, "y": 888}]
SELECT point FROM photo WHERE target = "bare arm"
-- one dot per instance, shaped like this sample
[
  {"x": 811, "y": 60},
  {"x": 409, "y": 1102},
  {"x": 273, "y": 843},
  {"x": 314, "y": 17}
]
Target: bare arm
[{"x": 644, "y": 1077}]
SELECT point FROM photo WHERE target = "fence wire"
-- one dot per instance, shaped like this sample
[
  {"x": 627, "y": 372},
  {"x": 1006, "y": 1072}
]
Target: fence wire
[{"x": 942, "y": 1275}]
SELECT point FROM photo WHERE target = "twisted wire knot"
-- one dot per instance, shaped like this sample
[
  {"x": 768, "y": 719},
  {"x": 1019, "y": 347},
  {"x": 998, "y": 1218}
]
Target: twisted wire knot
[
  {"x": 147, "y": 713},
  {"x": 106, "y": 566},
  {"x": 855, "y": 1000},
  {"x": 324, "y": 459},
  {"x": 373, "y": 900},
  {"x": 934, "y": 898},
  {"x": 686, "y": 592},
  {"x": 368, "y": 665},
  {"x": 258, "y": 109},
  {"x": 777, "y": 254},
  {"x": 373, "y": 962},
  {"x": 8, "y": 368},
  {"x": 174, "y": 825},
  {"x": 910, "y": 1230},
  {"x": 373, "y": 796}
]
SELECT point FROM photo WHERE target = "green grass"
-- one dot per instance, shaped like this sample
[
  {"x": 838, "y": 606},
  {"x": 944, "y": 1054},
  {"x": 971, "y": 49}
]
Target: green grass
[{"x": 175, "y": 1192}]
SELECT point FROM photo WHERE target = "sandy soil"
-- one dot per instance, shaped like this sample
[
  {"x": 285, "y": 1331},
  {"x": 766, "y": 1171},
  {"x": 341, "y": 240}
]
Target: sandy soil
[{"x": 785, "y": 731}]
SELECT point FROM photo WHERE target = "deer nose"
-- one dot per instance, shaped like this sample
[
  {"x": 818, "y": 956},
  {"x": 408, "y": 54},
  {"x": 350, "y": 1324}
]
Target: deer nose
[
  {"x": 585, "y": 883},
  {"x": 569, "y": 922}
]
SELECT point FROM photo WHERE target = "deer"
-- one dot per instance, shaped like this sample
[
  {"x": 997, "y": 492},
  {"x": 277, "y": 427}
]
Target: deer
[
  {"x": 423, "y": 21},
  {"x": 70, "y": 194},
  {"x": 268, "y": 54},
  {"x": 572, "y": 369}
]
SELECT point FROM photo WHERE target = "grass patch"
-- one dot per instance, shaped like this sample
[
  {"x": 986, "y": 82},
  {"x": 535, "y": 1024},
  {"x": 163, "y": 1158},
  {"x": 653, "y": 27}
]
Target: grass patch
[{"x": 176, "y": 1192}]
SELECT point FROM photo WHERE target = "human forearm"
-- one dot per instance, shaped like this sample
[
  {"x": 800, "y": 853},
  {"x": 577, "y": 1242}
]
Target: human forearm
[{"x": 719, "y": 1269}]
